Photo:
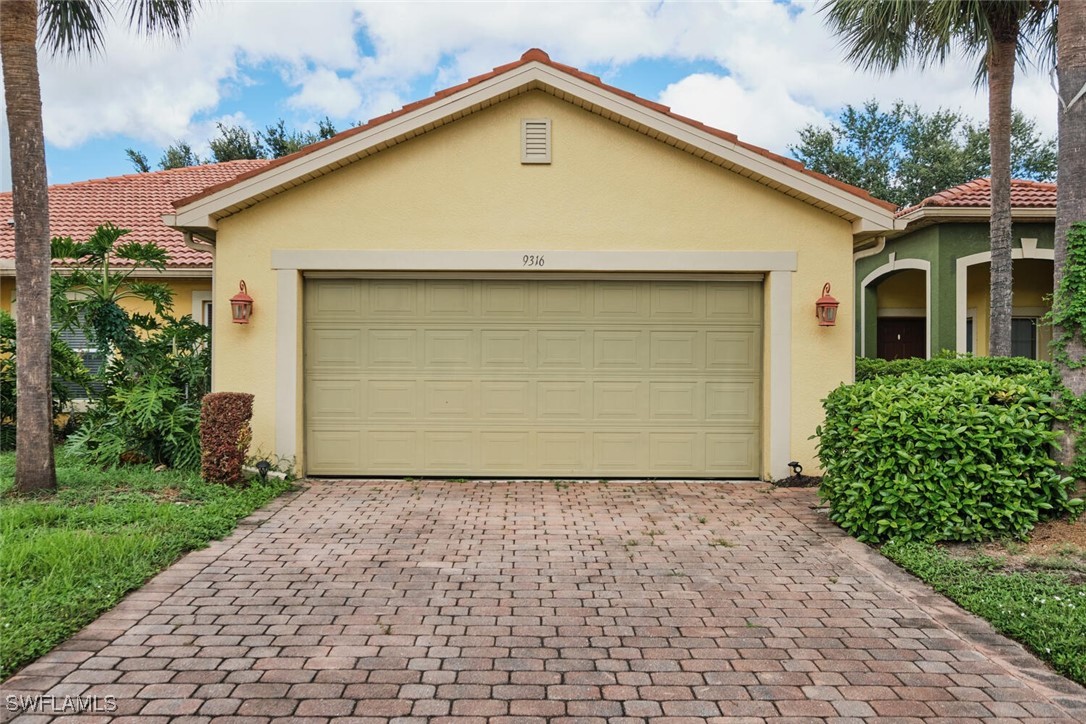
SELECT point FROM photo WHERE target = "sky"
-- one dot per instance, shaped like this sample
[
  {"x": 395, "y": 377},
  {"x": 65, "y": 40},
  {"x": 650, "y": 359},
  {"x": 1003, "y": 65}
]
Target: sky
[{"x": 761, "y": 69}]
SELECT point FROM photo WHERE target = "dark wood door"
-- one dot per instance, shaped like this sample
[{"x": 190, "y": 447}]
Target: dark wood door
[{"x": 901, "y": 337}]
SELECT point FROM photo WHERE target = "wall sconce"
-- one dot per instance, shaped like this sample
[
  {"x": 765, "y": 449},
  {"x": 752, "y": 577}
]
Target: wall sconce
[
  {"x": 826, "y": 308},
  {"x": 241, "y": 305}
]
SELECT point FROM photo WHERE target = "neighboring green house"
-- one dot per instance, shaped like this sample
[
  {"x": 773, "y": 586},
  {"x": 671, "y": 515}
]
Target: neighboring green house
[{"x": 925, "y": 289}]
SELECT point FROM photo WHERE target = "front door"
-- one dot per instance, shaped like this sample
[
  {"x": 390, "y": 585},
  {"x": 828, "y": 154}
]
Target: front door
[{"x": 901, "y": 337}]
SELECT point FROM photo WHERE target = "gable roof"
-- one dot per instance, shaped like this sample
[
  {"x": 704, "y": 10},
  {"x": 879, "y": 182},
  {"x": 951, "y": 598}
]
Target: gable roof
[
  {"x": 534, "y": 70},
  {"x": 973, "y": 200},
  {"x": 135, "y": 201}
]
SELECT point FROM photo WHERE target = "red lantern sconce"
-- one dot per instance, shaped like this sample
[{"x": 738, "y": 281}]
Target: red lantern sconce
[
  {"x": 826, "y": 308},
  {"x": 241, "y": 305}
]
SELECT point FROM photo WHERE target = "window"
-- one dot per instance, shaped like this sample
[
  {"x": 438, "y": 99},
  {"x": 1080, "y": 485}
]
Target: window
[
  {"x": 92, "y": 359},
  {"x": 969, "y": 335},
  {"x": 1024, "y": 337}
]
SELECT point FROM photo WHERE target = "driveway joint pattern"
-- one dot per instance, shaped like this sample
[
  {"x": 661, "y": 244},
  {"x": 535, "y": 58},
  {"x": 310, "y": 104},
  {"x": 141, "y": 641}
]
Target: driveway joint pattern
[{"x": 525, "y": 602}]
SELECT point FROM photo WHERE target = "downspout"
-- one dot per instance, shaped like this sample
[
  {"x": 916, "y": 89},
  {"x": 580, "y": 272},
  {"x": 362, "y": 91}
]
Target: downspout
[
  {"x": 202, "y": 245},
  {"x": 880, "y": 244}
]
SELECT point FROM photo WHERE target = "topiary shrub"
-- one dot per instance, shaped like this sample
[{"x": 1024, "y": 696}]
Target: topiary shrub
[
  {"x": 224, "y": 435},
  {"x": 956, "y": 457}
]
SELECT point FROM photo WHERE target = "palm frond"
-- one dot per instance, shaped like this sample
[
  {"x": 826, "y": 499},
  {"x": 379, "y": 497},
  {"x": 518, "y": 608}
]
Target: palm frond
[
  {"x": 169, "y": 18},
  {"x": 69, "y": 27}
]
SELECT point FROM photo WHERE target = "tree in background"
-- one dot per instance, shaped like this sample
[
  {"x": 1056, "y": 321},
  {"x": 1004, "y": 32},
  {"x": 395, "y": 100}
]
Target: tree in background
[
  {"x": 235, "y": 142},
  {"x": 903, "y": 154},
  {"x": 67, "y": 28},
  {"x": 885, "y": 35}
]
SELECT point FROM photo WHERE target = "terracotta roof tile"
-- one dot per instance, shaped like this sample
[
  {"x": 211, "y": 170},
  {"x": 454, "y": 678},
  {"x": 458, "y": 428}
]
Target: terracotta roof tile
[
  {"x": 539, "y": 56},
  {"x": 135, "y": 202},
  {"x": 978, "y": 194}
]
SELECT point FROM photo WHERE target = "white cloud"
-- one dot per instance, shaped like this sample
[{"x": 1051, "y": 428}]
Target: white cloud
[
  {"x": 766, "y": 116},
  {"x": 784, "y": 69}
]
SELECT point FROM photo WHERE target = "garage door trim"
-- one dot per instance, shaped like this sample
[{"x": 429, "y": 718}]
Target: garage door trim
[{"x": 778, "y": 268}]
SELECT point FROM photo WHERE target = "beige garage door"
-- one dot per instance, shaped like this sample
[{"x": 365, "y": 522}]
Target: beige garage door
[{"x": 533, "y": 378}]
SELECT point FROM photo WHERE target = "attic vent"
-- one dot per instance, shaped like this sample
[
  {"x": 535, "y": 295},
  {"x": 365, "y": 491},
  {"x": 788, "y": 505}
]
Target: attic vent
[{"x": 535, "y": 140}]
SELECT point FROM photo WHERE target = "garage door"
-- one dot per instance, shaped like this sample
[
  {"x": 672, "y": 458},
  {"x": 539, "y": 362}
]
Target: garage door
[{"x": 485, "y": 377}]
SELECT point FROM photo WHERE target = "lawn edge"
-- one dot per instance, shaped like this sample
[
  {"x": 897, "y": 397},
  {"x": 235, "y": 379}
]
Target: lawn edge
[
  {"x": 47, "y": 671},
  {"x": 947, "y": 614}
]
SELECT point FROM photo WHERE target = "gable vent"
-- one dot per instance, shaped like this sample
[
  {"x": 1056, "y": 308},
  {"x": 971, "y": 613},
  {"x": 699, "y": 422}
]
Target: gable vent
[{"x": 535, "y": 140}]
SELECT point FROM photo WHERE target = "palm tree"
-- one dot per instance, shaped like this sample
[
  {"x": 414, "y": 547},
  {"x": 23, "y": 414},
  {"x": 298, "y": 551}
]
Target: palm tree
[
  {"x": 884, "y": 35},
  {"x": 1071, "y": 199},
  {"x": 68, "y": 28}
]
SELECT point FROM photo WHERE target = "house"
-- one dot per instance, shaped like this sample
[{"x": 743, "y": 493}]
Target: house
[
  {"x": 927, "y": 288},
  {"x": 533, "y": 273},
  {"x": 135, "y": 202}
]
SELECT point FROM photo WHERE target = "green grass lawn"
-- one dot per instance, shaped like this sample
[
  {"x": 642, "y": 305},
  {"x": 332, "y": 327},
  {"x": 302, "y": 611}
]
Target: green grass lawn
[
  {"x": 1045, "y": 610},
  {"x": 67, "y": 558}
]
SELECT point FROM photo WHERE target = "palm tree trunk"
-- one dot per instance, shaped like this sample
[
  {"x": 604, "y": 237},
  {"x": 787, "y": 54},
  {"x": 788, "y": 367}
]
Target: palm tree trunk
[
  {"x": 34, "y": 469},
  {"x": 1071, "y": 199},
  {"x": 1000, "y": 83}
]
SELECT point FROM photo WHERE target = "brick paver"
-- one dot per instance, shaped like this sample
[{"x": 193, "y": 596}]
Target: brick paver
[{"x": 430, "y": 601}]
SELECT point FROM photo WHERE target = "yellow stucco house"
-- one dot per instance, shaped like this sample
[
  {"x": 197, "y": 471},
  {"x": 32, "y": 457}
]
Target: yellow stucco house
[
  {"x": 533, "y": 274},
  {"x": 135, "y": 202}
]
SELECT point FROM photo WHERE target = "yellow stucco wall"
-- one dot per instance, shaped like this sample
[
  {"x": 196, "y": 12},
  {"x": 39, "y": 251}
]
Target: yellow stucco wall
[
  {"x": 182, "y": 289},
  {"x": 1032, "y": 292},
  {"x": 904, "y": 290},
  {"x": 463, "y": 187}
]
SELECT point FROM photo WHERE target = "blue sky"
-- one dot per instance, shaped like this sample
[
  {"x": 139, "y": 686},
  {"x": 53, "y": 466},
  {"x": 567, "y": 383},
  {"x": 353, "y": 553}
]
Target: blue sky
[{"x": 758, "y": 69}]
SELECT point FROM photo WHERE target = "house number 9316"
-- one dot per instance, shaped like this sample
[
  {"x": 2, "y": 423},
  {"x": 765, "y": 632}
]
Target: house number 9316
[{"x": 532, "y": 260}]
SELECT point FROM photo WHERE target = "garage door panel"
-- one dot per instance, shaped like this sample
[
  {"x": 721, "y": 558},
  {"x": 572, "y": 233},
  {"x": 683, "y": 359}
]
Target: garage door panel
[
  {"x": 619, "y": 400},
  {"x": 563, "y": 349},
  {"x": 507, "y": 349},
  {"x": 453, "y": 399},
  {"x": 735, "y": 351},
  {"x": 449, "y": 299},
  {"x": 618, "y": 350},
  {"x": 676, "y": 350},
  {"x": 521, "y": 378},
  {"x": 335, "y": 399},
  {"x": 502, "y": 401},
  {"x": 738, "y": 303},
  {"x": 733, "y": 402},
  {"x": 620, "y": 453},
  {"x": 560, "y": 400},
  {"x": 391, "y": 349},
  {"x": 390, "y": 400},
  {"x": 730, "y": 453},
  {"x": 448, "y": 450},
  {"x": 392, "y": 450},
  {"x": 393, "y": 298}
]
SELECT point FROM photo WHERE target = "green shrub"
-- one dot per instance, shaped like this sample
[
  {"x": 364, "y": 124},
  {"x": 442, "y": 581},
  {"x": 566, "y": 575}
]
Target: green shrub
[
  {"x": 868, "y": 368},
  {"x": 69, "y": 373},
  {"x": 953, "y": 457},
  {"x": 149, "y": 409}
]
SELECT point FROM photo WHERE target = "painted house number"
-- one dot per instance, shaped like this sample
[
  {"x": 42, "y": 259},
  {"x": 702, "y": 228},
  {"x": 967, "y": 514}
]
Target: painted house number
[{"x": 532, "y": 260}]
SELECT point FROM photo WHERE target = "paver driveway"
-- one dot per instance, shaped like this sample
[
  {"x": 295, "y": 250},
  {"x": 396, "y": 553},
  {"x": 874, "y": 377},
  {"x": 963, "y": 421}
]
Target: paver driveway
[{"x": 370, "y": 601}]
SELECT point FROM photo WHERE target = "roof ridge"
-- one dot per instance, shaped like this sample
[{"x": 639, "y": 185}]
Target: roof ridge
[{"x": 537, "y": 55}]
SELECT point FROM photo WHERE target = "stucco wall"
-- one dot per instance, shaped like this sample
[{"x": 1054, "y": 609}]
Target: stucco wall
[
  {"x": 462, "y": 187},
  {"x": 941, "y": 246}
]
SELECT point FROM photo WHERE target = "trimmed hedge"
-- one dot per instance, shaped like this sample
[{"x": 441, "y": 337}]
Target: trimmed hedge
[
  {"x": 945, "y": 456},
  {"x": 868, "y": 368},
  {"x": 224, "y": 435}
]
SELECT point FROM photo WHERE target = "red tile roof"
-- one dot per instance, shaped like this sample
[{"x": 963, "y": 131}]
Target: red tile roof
[
  {"x": 978, "y": 194},
  {"x": 539, "y": 56},
  {"x": 135, "y": 202}
]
